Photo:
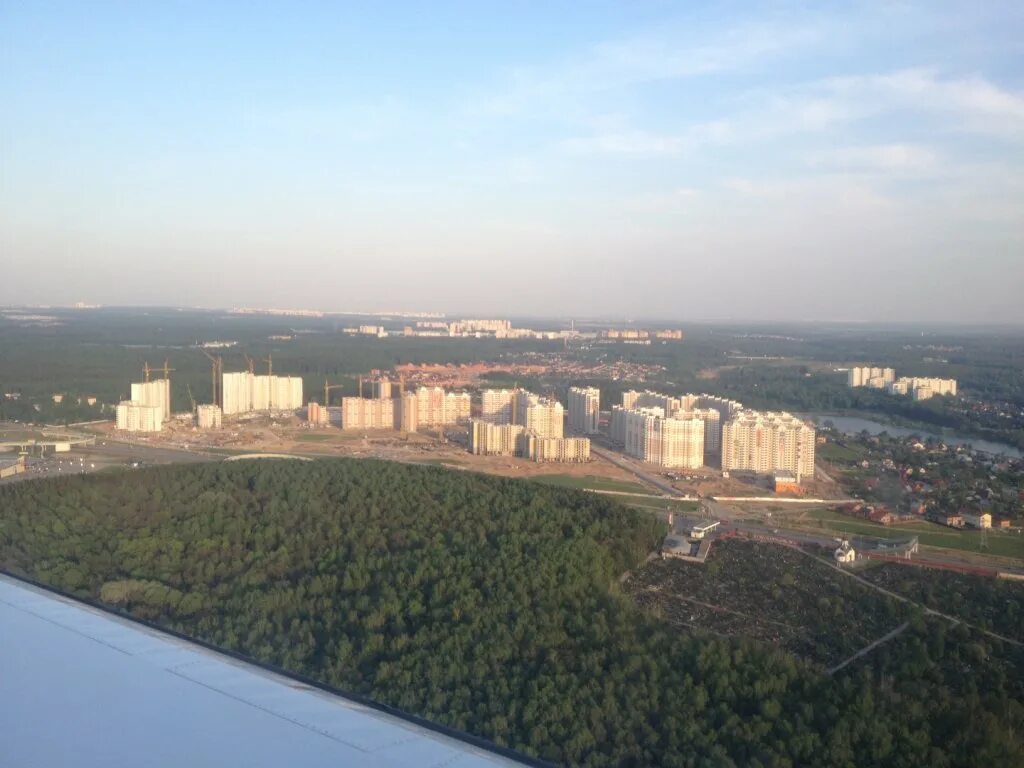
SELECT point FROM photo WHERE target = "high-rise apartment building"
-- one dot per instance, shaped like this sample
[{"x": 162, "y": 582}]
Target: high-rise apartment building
[
  {"x": 498, "y": 406},
  {"x": 540, "y": 415},
  {"x": 922, "y": 388},
  {"x": 870, "y": 376},
  {"x": 767, "y": 442},
  {"x": 245, "y": 391},
  {"x": 584, "y": 410},
  {"x": 712, "y": 426},
  {"x": 367, "y": 413},
  {"x": 408, "y": 412},
  {"x": 317, "y": 414},
  {"x": 156, "y": 394},
  {"x": 435, "y": 407},
  {"x": 487, "y": 439},
  {"x": 571, "y": 450},
  {"x": 132, "y": 416},
  {"x": 668, "y": 442}
]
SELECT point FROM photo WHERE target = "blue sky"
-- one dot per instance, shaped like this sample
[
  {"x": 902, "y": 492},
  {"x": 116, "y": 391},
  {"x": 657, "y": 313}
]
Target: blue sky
[{"x": 825, "y": 161}]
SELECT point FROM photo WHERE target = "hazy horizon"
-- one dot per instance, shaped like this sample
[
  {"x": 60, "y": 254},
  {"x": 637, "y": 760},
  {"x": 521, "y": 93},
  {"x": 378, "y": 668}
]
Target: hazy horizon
[{"x": 722, "y": 165}]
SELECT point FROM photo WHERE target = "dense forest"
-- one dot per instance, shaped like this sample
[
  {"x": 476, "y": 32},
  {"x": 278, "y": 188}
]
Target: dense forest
[{"x": 494, "y": 606}]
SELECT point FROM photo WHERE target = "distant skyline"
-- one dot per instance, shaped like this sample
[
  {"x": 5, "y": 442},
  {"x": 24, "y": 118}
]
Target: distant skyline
[{"x": 818, "y": 161}]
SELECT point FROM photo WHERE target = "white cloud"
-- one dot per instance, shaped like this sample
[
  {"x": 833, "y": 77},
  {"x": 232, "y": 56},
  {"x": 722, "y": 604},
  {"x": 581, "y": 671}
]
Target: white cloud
[
  {"x": 648, "y": 58},
  {"x": 896, "y": 158},
  {"x": 969, "y": 104}
]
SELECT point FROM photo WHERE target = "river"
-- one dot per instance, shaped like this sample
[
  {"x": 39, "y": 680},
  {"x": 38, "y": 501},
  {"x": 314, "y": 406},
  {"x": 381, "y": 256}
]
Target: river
[{"x": 855, "y": 424}]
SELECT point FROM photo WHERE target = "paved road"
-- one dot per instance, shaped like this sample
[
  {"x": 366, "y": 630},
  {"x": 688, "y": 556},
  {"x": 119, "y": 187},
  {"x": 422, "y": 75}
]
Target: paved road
[{"x": 648, "y": 477}]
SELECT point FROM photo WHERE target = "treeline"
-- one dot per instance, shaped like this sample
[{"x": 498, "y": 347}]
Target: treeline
[{"x": 487, "y": 604}]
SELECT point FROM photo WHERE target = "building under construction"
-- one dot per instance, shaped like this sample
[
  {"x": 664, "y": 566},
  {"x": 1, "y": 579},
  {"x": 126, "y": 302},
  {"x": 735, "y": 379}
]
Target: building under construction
[{"x": 245, "y": 392}]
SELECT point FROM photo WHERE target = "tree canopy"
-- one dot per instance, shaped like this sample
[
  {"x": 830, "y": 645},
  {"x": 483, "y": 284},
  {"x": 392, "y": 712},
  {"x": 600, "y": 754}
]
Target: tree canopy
[{"x": 490, "y": 605}]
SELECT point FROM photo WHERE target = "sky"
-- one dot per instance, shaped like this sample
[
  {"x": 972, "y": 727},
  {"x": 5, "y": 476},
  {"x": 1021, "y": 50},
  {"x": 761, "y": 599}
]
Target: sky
[{"x": 818, "y": 161}]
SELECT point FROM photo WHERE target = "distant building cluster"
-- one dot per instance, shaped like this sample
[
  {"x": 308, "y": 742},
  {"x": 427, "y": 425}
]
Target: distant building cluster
[
  {"x": 919, "y": 388},
  {"x": 681, "y": 408},
  {"x": 516, "y": 422},
  {"x": 683, "y": 431},
  {"x": 633, "y": 334},
  {"x": 768, "y": 442},
  {"x": 245, "y": 392},
  {"x": 392, "y": 407},
  {"x": 922, "y": 388}
]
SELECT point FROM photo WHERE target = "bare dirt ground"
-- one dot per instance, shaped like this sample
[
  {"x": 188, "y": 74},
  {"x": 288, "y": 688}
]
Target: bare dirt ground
[{"x": 265, "y": 434}]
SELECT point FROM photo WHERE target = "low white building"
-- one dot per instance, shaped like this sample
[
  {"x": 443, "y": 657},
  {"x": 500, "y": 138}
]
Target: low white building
[
  {"x": 845, "y": 554},
  {"x": 700, "y": 530}
]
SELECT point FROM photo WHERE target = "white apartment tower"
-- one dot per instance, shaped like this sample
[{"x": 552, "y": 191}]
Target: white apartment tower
[
  {"x": 668, "y": 442},
  {"x": 540, "y": 415},
  {"x": 498, "y": 406},
  {"x": 245, "y": 391},
  {"x": 584, "y": 410},
  {"x": 435, "y": 407},
  {"x": 133, "y": 416},
  {"x": 767, "y": 442},
  {"x": 156, "y": 394},
  {"x": 367, "y": 413},
  {"x": 487, "y": 439}
]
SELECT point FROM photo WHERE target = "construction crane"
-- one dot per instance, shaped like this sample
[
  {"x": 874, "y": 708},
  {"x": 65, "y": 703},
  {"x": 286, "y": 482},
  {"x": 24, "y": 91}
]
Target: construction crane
[
  {"x": 251, "y": 362},
  {"x": 327, "y": 391},
  {"x": 147, "y": 372},
  {"x": 269, "y": 360},
  {"x": 216, "y": 374},
  {"x": 191, "y": 399}
]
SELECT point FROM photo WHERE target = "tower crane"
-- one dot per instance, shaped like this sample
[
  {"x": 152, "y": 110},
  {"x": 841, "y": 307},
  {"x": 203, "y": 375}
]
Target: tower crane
[
  {"x": 327, "y": 391},
  {"x": 251, "y": 362},
  {"x": 216, "y": 374},
  {"x": 191, "y": 399},
  {"x": 269, "y": 360}
]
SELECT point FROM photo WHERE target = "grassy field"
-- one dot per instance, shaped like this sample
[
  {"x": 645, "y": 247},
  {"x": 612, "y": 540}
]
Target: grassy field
[
  {"x": 660, "y": 505},
  {"x": 834, "y": 452},
  {"x": 590, "y": 482},
  {"x": 929, "y": 534}
]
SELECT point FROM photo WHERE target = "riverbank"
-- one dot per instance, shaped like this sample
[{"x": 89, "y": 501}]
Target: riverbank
[{"x": 876, "y": 423}]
